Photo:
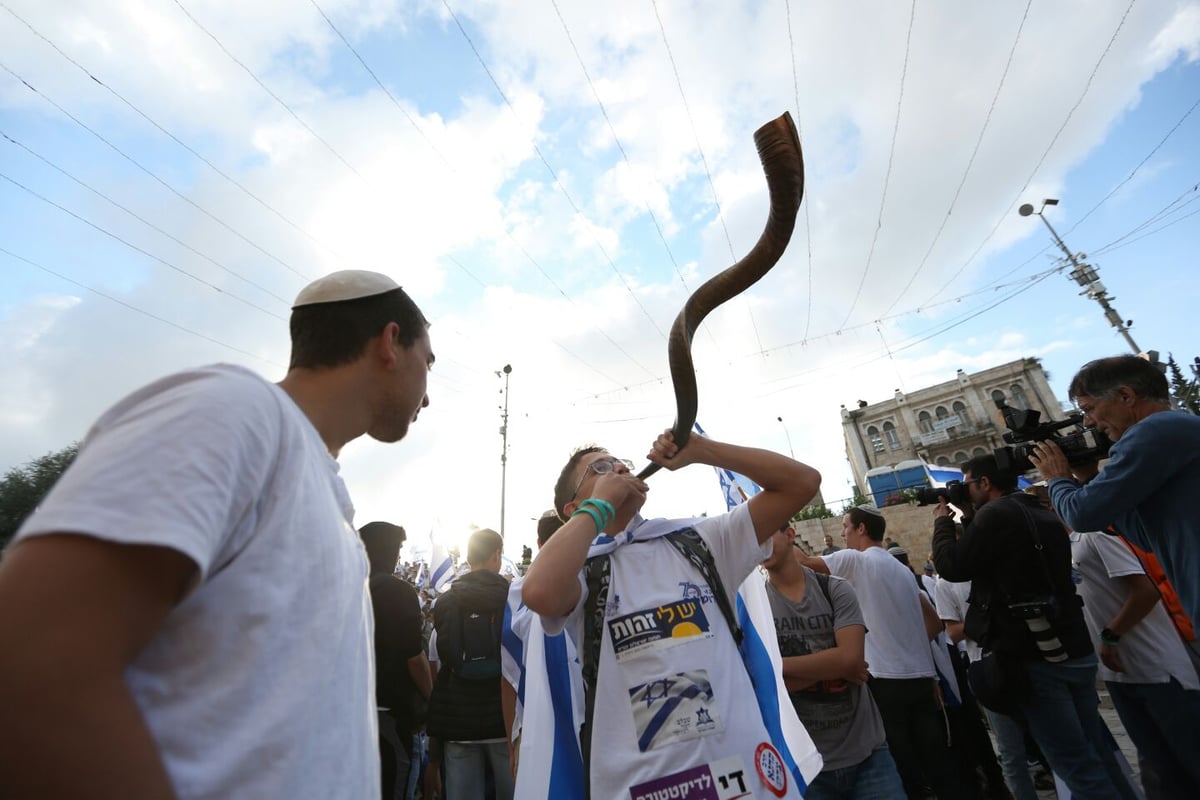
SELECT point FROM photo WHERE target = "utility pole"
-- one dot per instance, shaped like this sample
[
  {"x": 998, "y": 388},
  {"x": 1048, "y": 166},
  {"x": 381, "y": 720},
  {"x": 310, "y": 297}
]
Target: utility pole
[
  {"x": 789, "y": 437},
  {"x": 1084, "y": 274},
  {"x": 504, "y": 444}
]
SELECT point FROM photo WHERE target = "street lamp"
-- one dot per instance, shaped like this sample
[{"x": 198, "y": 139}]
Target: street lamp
[
  {"x": 789, "y": 437},
  {"x": 1084, "y": 274},
  {"x": 504, "y": 443}
]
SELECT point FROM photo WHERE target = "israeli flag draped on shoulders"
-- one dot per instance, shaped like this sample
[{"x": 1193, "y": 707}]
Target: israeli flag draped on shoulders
[
  {"x": 546, "y": 674},
  {"x": 760, "y": 653}
]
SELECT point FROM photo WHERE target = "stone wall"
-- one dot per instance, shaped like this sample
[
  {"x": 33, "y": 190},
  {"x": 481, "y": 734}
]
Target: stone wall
[{"x": 910, "y": 526}]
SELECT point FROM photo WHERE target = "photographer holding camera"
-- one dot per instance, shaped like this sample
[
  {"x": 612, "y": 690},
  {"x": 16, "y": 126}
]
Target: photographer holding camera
[
  {"x": 1148, "y": 490},
  {"x": 1038, "y": 660}
]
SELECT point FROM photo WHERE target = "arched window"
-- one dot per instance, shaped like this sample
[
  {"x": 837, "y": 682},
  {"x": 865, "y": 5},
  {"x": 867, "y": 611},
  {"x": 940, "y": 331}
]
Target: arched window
[
  {"x": 960, "y": 408},
  {"x": 977, "y": 452},
  {"x": 997, "y": 395},
  {"x": 889, "y": 433},
  {"x": 941, "y": 412},
  {"x": 876, "y": 439},
  {"x": 925, "y": 422},
  {"x": 1018, "y": 396},
  {"x": 942, "y": 461},
  {"x": 960, "y": 457}
]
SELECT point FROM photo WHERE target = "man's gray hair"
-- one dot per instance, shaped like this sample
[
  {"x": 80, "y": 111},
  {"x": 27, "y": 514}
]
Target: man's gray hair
[{"x": 1102, "y": 378}]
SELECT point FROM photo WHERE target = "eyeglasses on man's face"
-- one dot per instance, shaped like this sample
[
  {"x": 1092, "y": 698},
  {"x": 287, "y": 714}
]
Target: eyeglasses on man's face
[{"x": 601, "y": 466}]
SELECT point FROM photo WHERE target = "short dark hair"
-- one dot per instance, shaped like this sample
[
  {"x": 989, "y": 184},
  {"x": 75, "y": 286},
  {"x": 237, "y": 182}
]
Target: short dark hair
[
  {"x": 482, "y": 544},
  {"x": 986, "y": 467},
  {"x": 331, "y": 334},
  {"x": 382, "y": 541},
  {"x": 547, "y": 526},
  {"x": 1102, "y": 377},
  {"x": 566, "y": 483},
  {"x": 872, "y": 519}
]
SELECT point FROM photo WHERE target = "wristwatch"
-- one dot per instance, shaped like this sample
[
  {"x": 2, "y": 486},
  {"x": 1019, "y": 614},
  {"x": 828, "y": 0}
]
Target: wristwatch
[{"x": 1109, "y": 638}]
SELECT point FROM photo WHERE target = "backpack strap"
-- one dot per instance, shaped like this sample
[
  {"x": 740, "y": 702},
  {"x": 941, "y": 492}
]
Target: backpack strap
[
  {"x": 823, "y": 582},
  {"x": 692, "y": 547},
  {"x": 597, "y": 573}
]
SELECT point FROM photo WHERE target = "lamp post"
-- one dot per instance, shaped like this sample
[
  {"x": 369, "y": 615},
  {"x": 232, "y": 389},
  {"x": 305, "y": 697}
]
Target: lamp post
[
  {"x": 504, "y": 443},
  {"x": 1084, "y": 274},
  {"x": 789, "y": 437}
]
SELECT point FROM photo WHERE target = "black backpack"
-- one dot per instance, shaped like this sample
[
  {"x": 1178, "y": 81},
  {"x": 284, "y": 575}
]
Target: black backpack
[{"x": 468, "y": 641}]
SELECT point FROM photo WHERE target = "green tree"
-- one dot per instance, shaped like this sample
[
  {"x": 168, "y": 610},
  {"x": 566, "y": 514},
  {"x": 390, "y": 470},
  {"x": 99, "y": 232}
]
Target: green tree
[
  {"x": 819, "y": 511},
  {"x": 1186, "y": 393},
  {"x": 23, "y": 487}
]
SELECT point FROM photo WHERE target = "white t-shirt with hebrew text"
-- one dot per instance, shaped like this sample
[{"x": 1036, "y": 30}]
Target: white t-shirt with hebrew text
[{"x": 674, "y": 708}]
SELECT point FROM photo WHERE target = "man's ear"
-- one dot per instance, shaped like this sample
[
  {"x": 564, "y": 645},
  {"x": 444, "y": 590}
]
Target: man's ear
[
  {"x": 386, "y": 344},
  {"x": 569, "y": 509}
]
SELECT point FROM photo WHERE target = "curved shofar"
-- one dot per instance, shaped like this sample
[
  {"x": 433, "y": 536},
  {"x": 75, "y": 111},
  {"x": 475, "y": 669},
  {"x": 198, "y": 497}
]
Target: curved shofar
[{"x": 783, "y": 164}]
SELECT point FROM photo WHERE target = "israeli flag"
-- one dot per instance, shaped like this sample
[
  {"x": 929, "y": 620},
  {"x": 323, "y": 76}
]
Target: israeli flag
[
  {"x": 441, "y": 567},
  {"x": 761, "y": 654},
  {"x": 549, "y": 707}
]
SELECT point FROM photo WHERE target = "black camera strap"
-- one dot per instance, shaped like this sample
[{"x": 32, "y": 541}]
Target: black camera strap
[
  {"x": 1050, "y": 648},
  {"x": 1031, "y": 523}
]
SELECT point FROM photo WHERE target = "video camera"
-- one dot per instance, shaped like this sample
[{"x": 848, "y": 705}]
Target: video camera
[
  {"x": 955, "y": 493},
  {"x": 1080, "y": 445}
]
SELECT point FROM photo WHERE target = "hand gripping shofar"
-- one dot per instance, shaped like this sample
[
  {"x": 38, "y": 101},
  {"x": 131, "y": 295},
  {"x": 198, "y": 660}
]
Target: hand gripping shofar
[{"x": 783, "y": 164}]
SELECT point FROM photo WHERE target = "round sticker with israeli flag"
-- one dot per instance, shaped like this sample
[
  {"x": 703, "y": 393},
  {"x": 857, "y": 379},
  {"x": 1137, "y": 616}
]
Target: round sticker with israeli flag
[{"x": 771, "y": 771}]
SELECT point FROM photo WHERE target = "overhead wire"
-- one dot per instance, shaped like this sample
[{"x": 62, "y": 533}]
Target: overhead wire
[
  {"x": 153, "y": 174},
  {"x": 990, "y": 289},
  {"x": 662, "y": 29},
  {"x": 516, "y": 243},
  {"x": 617, "y": 140},
  {"x": 139, "y": 310},
  {"x": 1134, "y": 171},
  {"x": 1158, "y": 216},
  {"x": 970, "y": 161},
  {"x": 554, "y": 174},
  {"x": 625, "y": 157},
  {"x": 291, "y": 223},
  {"x": 141, "y": 250},
  {"x": 268, "y": 90},
  {"x": 1033, "y": 173},
  {"x": 144, "y": 221},
  {"x": 787, "y": 5},
  {"x": 887, "y": 177}
]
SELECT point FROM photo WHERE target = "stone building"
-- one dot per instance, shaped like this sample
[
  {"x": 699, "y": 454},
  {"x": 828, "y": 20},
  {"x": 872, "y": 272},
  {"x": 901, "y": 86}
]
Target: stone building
[{"x": 944, "y": 424}]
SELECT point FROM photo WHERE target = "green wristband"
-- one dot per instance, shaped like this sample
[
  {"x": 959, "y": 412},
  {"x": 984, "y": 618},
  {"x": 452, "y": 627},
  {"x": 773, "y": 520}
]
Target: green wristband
[
  {"x": 605, "y": 509},
  {"x": 595, "y": 517}
]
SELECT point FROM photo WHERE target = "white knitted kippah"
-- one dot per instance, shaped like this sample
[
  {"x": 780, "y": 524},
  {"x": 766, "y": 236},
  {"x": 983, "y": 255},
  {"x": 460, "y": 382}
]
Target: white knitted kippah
[{"x": 347, "y": 284}]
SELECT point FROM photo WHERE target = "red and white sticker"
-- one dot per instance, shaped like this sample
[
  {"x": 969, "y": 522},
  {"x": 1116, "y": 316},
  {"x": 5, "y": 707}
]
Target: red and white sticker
[{"x": 771, "y": 771}]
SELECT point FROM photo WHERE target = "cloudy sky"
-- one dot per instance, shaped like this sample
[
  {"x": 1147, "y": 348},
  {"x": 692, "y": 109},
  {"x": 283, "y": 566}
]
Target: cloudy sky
[{"x": 550, "y": 179}]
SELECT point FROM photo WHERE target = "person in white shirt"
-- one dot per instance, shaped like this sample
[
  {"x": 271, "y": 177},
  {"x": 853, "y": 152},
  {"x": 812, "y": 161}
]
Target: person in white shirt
[
  {"x": 672, "y": 705},
  {"x": 1143, "y": 663},
  {"x": 900, "y": 621},
  {"x": 187, "y": 612}
]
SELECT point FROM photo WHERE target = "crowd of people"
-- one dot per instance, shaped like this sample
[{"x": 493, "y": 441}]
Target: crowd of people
[{"x": 191, "y": 612}]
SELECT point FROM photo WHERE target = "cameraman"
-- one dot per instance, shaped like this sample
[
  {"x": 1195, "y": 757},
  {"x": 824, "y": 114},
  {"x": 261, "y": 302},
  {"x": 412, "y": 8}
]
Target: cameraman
[
  {"x": 1023, "y": 610},
  {"x": 1150, "y": 487}
]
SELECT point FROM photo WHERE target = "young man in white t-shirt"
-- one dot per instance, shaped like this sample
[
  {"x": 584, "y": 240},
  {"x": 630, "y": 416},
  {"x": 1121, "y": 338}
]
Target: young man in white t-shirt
[
  {"x": 673, "y": 705},
  {"x": 186, "y": 613},
  {"x": 900, "y": 624}
]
